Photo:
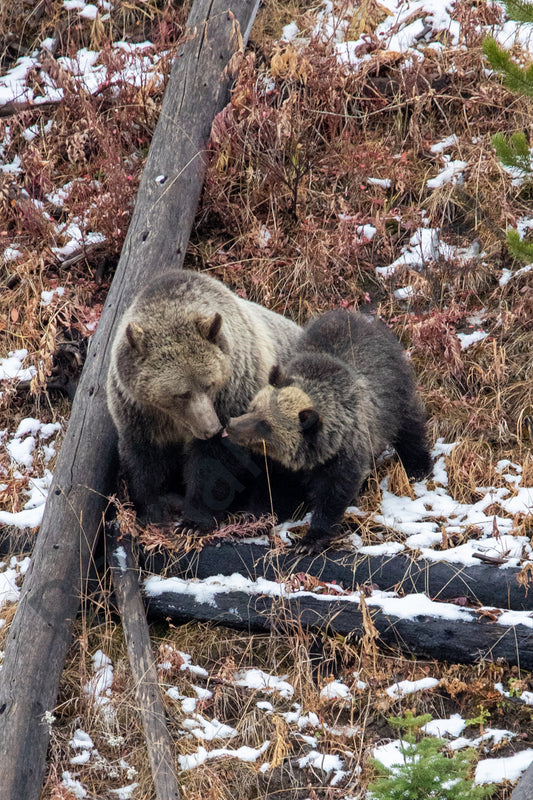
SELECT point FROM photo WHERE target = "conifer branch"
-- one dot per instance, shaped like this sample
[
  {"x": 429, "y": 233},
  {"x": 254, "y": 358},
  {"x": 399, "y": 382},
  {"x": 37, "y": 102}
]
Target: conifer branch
[{"x": 519, "y": 10}]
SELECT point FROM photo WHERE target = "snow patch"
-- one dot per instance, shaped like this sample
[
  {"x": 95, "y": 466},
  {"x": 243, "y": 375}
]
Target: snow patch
[
  {"x": 243, "y": 753},
  {"x": 335, "y": 691},
  {"x": 452, "y": 173},
  {"x": 452, "y": 726},
  {"x": 98, "y": 688},
  {"x": 11, "y": 367},
  {"x": 497, "y": 770},
  {"x": 257, "y": 679},
  {"x": 404, "y": 688}
]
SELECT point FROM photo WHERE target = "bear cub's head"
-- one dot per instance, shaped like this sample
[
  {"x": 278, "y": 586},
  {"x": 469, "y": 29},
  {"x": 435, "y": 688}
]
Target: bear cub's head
[
  {"x": 281, "y": 420},
  {"x": 176, "y": 367}
]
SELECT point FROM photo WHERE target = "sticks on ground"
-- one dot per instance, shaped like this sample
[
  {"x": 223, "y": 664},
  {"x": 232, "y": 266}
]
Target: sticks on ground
[{"x": 130, "y": 605}]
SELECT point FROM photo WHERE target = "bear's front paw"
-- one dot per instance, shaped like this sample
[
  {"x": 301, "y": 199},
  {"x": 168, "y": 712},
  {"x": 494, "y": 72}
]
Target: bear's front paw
[
  {"x": 193, "y": 522},
  {"x": 316, "y": 540},
  {"x": 421, "y": 470},
  {"x": 162, "y": 511}
]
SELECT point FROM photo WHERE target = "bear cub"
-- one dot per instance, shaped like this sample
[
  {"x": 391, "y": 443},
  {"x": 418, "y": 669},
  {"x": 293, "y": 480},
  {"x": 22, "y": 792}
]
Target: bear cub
[
  {"x": 346, "y": 393},
  {"x": 188, "y": 354}
]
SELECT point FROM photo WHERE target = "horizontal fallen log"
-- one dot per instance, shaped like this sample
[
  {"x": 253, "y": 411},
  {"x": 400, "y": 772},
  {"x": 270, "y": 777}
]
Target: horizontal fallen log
[
  {"x": 441, "y": 580},
  {"x": 12, "y": 108},
  {"x": 462, "y": 641}
]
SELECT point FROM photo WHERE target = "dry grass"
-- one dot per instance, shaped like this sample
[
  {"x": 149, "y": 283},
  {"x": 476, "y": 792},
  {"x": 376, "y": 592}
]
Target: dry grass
[
  {"x": 94, "y": 143},
  {"x": 307, "y": 661},
  {"x": 286, "y": 191}
]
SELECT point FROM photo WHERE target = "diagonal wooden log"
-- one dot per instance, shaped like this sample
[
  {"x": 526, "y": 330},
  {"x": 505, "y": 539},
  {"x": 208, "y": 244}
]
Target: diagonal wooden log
[
  {"x": 36, "y": 647},
  {"x": 159, "y": 743},
  {"x": 524, "y": 787}
]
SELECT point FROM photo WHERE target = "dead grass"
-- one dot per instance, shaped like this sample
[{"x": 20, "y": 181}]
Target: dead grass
[
  {"x": 285, "y": 196},
  {"x": 307, "y": 661},
  {"x": 94, "y": 143}
]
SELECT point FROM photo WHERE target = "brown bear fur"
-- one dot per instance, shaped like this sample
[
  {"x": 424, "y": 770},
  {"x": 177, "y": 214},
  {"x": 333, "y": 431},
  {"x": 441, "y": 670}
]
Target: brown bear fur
[
  {"x": 346, "y": 394},
  {"x": 188, "y": 354}
]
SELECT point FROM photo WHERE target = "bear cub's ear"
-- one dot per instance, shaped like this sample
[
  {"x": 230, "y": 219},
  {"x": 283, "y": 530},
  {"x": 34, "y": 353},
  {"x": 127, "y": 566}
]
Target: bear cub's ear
[
  {"x": 277, "y": 377},
  {"x": 135, "y": 337},
  {"x": 209, "y": 327},
  {"x": 309, "y": 419}
]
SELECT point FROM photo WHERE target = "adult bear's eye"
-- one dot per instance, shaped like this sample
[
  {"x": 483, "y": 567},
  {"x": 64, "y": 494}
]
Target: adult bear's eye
[
  {"x": 264, "y": 428},
  {"x": 182, "y": 397}
]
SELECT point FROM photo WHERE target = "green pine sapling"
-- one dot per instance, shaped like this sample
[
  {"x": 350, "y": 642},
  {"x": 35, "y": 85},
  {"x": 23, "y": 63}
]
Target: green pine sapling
[
  {"x": 514, "y": 151},
  {"x": 427, "y": 772}
]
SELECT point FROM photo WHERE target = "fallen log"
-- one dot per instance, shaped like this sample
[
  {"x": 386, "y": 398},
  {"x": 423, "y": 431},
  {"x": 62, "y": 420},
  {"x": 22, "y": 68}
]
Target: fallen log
[
  {"x": 524, "y": 788},
  {"x": 12, "y": 108},
  {"x": 440, "y": 580},
  {"x": 86, "y": 468},
  {"x": 16, "y": 541},
  {"x": 464, "y": 641},
  {"x": 159, "y": 743}
]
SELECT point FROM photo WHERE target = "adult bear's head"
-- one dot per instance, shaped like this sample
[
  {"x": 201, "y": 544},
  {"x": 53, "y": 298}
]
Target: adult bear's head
[{"x": 176, "y": 365}]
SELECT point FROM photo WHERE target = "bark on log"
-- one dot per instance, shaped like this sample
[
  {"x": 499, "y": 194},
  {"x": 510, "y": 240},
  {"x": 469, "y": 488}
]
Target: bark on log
[
  {"x": 86, "y": 468},
  {"x": 524, "y": 787},
  {"x": 9, "y": 109},
  {"x": 427, "y": 637},
  {"x": 440, "y": 580},
  {"x": 159, "y": 744}
]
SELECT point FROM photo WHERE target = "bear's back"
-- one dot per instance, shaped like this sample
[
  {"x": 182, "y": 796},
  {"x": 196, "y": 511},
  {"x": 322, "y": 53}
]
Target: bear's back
[{"x": 364, "y": 344}]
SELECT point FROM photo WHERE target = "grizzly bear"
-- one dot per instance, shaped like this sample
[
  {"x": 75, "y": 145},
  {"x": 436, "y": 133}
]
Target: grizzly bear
[
  {"x": 347, "y": 393},
  {"x": 188, "y": 354}
]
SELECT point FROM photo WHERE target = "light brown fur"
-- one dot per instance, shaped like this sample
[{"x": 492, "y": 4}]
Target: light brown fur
[
  {"x": 187, "y": 355},
  {"x": 171, "y": 370},
  {"x": 280, "y": 409}
]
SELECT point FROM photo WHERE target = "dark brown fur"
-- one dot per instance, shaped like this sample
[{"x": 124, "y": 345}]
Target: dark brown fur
[{"x": 346, "y": 394}]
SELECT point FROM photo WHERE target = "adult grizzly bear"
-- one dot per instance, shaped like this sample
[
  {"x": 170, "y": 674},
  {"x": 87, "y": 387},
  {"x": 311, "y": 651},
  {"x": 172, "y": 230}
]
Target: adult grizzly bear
[
  {"x": 346, "y": 394},
  {"x": 188, "y": 354}
]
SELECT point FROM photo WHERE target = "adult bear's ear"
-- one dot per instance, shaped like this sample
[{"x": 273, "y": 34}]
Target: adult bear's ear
[
  {"x": 309, "y": 419},
  {"x": 209, "y": 327},
  {"x": 135, "y": 337},
  {"x": 277, "y": 377}
]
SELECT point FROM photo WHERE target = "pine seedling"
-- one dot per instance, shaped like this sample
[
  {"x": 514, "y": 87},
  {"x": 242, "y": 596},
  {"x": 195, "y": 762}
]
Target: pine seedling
[
  {"x": 515, "y": 77},
  {"x": 514, "y": 151},
  {"x": 519, "y": 248},
  {"x": 426, "y": 771},
  {"x": 519, "y": 10}
]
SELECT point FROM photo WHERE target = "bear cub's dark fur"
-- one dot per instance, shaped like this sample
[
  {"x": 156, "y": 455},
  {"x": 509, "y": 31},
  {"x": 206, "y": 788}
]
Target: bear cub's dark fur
[{"x": 346, "y": 394}]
